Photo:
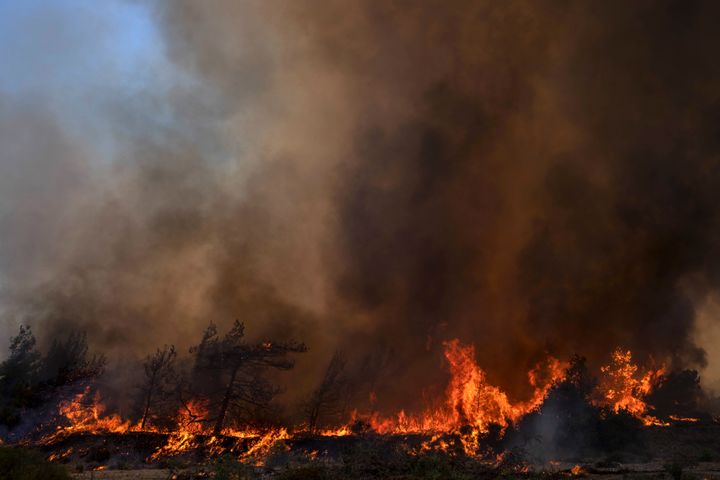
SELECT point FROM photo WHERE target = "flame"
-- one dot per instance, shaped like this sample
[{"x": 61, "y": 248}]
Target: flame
[
  {"x": 623, "y": 387},
  {"x": 86, "y": 413},
  {"x": 265, "y": 444},
  {"x": 468, "y": 409},
  {"x": 470, "y": 400},
  {"x": 189, "y": 426},
  {"x": 676, "y": 418}
]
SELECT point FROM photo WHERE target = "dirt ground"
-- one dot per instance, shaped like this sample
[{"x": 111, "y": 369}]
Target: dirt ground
[
  {"x": 145, "y": 474},
  {"x": 639, "y": 471}
]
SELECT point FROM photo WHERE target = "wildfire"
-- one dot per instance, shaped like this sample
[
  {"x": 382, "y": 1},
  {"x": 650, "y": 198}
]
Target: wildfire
[
  {"x": 188, "y": 428},
  {"x": 471, "y": 400},
  {"x": 267, "y": 442},
  {"x": 471, "y": 404},
  {"x": 86, "y": 413},
  {"x": 622, "y": 387}
]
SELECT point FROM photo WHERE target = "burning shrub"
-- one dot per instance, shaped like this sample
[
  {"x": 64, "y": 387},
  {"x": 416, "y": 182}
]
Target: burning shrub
[{"x": 569, "y": 424}]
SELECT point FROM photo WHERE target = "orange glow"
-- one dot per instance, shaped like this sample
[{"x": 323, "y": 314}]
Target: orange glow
[
  {"x": 623, "y": 387},
  {"x": 85, "y": 413},
  {"x": 469, "y": 406},
  {"x": 470, "y": 400},
  {"x": 676, "y": 418}
]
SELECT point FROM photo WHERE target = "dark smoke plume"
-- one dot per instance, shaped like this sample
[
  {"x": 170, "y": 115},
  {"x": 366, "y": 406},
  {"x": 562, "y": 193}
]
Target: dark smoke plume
[{"x": 527, "y": 176}]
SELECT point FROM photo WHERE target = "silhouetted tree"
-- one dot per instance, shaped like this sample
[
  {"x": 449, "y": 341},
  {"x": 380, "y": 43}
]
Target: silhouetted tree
[
  {"x": 372, "y": 371},
  {"x": 230, "y": 370},
  {"x": 160, "y": 382},
  {"x": 678, "y": 393},
  {"x": 19, "y": 376},
  {"x": 326, "y": 400},
  {"x": 68, "y": 361}
]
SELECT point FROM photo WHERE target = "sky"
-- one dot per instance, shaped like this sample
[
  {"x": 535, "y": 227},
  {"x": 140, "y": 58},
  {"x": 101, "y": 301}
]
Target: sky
[
  {"x": 74, "y": 75},
  {"x": 66, "y": 55}
]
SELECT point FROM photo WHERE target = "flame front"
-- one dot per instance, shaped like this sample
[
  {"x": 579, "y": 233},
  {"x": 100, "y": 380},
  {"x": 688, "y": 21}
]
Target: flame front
[
  {"x": 471, "y": 404},
  {"x": 470, "y": 400}
]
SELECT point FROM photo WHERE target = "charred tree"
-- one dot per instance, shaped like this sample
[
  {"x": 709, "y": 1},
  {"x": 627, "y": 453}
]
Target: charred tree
[
  {"x": 68, "y": 361},
  {"x": 373, "y": 369},
  {"x": 160, "y": 380},
  {"x": 677, "y": 394},
  {"x": 232, "y": 370},
  {"x": 326, "y": 400}
]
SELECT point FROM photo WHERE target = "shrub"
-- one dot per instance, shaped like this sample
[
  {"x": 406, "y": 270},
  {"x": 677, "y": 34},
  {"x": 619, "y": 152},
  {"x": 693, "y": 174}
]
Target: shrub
[
  {"x": 228, "y": 467},
  {"x": 22, "y": 464}
]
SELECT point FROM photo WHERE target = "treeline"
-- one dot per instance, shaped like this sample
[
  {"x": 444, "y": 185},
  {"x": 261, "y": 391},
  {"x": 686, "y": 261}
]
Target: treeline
[
  {"x": 29, "y": 379},
  {"x": 225, "y": 381},
  {"x": 227, "y": 377},
  {"x": 569, "y": 423}
]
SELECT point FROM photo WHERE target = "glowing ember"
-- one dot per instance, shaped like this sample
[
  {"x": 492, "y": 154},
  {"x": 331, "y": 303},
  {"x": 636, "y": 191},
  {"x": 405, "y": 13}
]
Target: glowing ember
[{"x": 676, "y": 418}]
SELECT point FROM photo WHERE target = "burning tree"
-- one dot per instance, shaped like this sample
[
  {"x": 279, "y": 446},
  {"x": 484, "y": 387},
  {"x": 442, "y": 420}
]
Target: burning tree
[
  {"x": 160, "y": 382},
  {"x": 229, "y": 371},
  {"x": 326, "y": 401}
]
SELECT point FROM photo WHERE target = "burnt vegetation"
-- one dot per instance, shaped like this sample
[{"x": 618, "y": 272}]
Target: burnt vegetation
[
  {"x": 224, "y": 385},
  {"x": 159, "y": 389},
  {"x": 228, "y": 374},
  {"x": 328, "y": 403}
]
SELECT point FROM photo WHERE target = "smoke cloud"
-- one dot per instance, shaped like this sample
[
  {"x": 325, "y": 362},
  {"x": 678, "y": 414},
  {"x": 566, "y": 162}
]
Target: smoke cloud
[{"x": 526, "y": 176}]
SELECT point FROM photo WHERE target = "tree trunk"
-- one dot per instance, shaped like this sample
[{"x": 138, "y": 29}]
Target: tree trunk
[
  {"x": 148, "y": 402},
  {"x": 220, "y": 422}
]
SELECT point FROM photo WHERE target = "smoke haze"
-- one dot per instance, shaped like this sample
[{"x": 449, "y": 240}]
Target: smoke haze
[{"x": 527, "y": 176}]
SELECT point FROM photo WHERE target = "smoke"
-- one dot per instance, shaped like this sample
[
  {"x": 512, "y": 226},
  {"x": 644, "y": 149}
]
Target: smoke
[{"x": 530, "y": 177}]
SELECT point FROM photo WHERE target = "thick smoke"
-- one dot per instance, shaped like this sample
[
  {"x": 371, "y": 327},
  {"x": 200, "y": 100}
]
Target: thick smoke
[{"x": 527, "y": 176}]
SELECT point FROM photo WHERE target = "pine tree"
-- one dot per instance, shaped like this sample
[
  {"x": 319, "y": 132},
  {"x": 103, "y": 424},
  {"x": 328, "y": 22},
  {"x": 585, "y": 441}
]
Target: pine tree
[
  {"x": 325, "y": 403},
  {"x": 19, "y": 375},
  {"x": 230, "y": 371},
  {"x": 160, "y": 381},
  {"x": 68, "y": 361}
]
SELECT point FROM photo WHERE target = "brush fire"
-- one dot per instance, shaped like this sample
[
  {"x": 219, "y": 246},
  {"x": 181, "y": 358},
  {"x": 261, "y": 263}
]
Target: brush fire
[
  {"x": 204, "y": 409},
  {"x": 363, "y": 239}
]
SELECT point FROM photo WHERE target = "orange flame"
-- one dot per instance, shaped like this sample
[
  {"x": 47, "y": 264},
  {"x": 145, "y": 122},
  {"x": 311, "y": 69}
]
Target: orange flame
[
  {"x": 622, "y": 387},
  {"x": 471, "y": 400},
  {"x": 85, "y": 413}
]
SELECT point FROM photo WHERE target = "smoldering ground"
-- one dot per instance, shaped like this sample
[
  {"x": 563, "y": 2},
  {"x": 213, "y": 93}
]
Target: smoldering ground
[{"x": 529, "y": 177}]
